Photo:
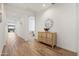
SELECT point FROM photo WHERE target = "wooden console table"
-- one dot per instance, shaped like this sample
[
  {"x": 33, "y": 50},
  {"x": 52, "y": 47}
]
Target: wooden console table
[{"x": 48, "y": 38}]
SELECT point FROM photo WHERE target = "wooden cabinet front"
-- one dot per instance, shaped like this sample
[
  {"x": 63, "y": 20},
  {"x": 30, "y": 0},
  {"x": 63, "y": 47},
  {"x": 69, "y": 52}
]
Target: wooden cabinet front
[{"x": 47, "y": 38}]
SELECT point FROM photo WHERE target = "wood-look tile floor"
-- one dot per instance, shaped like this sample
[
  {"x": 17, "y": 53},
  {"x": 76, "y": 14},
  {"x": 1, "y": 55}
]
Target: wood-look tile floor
[{"x": 16, "y": 46}]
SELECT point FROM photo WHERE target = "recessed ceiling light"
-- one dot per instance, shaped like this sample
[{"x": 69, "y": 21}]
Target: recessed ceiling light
[{"x": 44, "y": 5}]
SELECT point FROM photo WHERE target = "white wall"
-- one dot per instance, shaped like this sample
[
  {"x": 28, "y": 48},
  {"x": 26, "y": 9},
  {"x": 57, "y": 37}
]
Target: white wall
[
  {"x": 77, "y": 11},
  {"x": 21, "y": 28},
  {"x": 2, "y": 28},
  {"x": 64, "y": 17}
]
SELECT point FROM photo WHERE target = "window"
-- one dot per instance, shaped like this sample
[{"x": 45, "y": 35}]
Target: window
[{"x": 31, "y": 20}]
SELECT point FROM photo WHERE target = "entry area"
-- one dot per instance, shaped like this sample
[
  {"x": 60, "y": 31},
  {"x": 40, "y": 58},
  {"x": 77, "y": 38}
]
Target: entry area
[{"x": 38, "y": 29}]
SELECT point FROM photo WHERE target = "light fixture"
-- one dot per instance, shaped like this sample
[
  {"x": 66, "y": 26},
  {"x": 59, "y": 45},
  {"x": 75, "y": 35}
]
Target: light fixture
[{"x": 44, "y": 5}]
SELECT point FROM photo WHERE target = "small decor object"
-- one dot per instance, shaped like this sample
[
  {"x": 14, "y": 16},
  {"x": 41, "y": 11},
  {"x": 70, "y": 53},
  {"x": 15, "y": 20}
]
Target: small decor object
[
  {"x": 48, "y": 24},
  {"x": 46, "y": 29}
]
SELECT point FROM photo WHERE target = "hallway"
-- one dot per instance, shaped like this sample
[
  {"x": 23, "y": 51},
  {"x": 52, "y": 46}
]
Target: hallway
[{"x": 16, "y": 46}]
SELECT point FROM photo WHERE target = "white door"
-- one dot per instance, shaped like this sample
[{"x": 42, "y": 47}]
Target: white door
[{"x": 31, "y": 28}]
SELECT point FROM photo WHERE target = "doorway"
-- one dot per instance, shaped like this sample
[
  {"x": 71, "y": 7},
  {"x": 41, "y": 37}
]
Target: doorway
[
  {"x": 11, "y": 27},
  {"x": 31, "y": 28}
]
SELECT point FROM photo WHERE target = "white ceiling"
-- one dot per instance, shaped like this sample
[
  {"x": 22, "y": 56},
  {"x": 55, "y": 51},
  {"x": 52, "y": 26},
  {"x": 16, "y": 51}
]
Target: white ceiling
[{"x": 30, "y": 6}]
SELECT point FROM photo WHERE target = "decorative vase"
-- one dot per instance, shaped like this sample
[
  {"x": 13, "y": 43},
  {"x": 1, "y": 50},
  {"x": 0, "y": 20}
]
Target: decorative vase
[{"x": 46, "y": 29}]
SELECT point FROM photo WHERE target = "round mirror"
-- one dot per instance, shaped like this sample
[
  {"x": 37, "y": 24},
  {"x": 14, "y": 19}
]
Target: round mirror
[{"x": 48, "y": 23}]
